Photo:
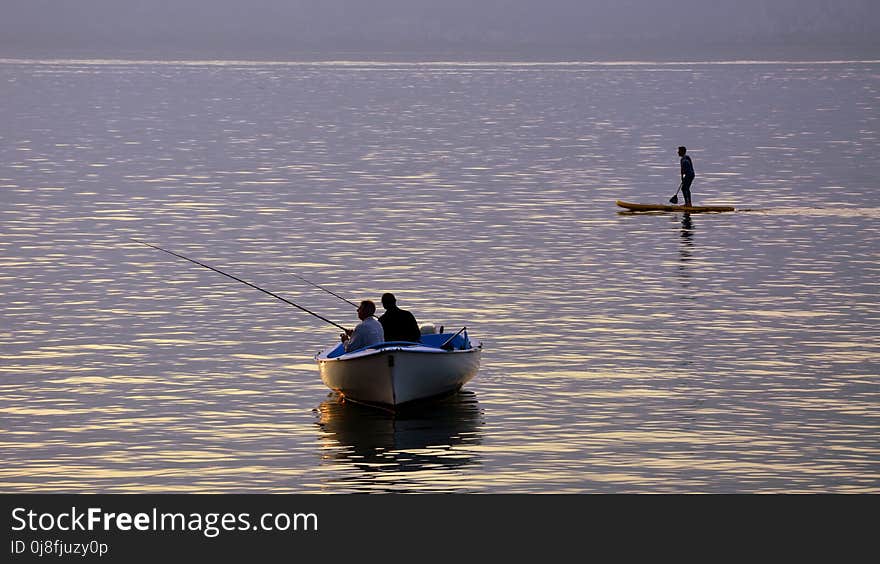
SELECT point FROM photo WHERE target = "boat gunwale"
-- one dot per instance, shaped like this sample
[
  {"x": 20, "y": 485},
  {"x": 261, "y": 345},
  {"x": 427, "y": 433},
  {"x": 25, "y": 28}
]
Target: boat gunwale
[{"x": 379, "y": 349}]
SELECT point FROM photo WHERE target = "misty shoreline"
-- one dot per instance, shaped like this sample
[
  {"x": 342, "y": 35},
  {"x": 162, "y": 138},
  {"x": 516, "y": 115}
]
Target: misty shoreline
[{"x": 828, "y": 49}]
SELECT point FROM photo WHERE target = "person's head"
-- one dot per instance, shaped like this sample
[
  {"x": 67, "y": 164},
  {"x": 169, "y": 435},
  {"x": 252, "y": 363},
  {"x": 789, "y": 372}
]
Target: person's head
[
  {"x": 366, "y": 309},
  {"x": 682, "y": 151},
  {"x": 388, "y": 300}
]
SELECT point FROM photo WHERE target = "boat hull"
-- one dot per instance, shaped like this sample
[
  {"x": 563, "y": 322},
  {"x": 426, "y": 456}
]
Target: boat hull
[
  {"x": 670, "y": 208},
  {"x": 395, "y": 375}
]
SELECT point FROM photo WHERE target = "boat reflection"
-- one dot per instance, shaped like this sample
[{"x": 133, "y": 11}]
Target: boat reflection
[{"x": 422, "y": 437}]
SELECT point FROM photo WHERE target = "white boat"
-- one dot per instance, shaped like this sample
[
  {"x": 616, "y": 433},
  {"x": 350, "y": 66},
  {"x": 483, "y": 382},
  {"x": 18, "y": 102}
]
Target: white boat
[{"x": 396, "y": 373}]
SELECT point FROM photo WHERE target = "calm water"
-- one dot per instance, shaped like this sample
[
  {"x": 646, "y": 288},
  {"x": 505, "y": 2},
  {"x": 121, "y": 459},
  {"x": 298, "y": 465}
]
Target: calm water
[{"x": 652, "y": 353}]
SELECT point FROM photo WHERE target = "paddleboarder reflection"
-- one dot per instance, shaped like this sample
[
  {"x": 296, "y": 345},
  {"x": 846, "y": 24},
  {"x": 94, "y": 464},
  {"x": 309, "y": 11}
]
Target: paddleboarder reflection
[
  {"x": 421, "y": 438},
  {"x": 687, "y": 230},
  {"x": 685, "y": 249}
]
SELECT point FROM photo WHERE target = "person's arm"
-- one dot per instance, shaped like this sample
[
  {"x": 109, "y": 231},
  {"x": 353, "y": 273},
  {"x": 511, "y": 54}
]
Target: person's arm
[
  {"x": 414, "y": 330},
  {"x": 354, "y": 341},
  {"x": 687, "y": 166}
]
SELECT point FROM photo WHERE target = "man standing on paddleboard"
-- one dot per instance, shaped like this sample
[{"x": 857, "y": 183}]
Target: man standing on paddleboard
[{"x": 687, "y": 175}]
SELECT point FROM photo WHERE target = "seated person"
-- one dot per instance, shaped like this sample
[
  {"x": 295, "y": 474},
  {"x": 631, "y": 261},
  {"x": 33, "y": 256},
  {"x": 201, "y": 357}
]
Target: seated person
[
  {"x": 368, "y": 332},
  {"x": 399, "y": 324}
]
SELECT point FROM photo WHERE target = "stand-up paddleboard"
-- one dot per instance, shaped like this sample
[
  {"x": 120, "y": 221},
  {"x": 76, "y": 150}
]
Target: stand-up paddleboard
[{"x": 669, "y": 208}]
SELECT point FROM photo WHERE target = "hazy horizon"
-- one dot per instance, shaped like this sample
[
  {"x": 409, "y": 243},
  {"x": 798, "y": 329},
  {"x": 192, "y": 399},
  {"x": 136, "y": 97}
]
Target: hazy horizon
[{"x": 416, "y": 29}]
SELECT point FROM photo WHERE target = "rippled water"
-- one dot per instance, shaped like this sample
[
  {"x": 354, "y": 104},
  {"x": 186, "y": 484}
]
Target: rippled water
[{"x": 623, "y": 353}]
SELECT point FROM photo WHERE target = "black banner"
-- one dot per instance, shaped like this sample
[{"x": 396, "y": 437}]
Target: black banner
[{"x": 275, "y": 528}]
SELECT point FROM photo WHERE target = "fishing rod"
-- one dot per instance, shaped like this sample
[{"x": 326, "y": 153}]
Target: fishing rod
[
  {"x": 319, "y": 287},
  {"x": 276, "y": 296}
]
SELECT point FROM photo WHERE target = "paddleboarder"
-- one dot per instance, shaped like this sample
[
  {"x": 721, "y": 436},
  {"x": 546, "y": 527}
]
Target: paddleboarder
[{"x": 687, "y": 175}]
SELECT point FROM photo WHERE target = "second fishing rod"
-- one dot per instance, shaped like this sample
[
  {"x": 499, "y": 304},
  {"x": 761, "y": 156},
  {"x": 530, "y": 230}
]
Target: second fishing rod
[{"x": 245, "y": 282}]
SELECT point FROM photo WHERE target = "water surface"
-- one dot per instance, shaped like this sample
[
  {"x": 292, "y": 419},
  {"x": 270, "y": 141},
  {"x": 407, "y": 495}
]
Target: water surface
[{"x": 729, "y": 352}]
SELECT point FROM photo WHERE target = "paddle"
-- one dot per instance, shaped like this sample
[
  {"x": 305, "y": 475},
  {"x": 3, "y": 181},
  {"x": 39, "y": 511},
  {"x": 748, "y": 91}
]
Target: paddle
[{"x": 674, "y": 198}]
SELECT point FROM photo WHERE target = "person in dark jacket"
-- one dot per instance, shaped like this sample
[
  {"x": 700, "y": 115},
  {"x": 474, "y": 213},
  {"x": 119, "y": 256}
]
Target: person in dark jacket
[
  {"x": 399, "y": 324},
  {"x": 687, "y": 175}
]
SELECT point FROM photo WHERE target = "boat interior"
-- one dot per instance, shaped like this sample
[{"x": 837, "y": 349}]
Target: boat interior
[{"x": 460, "y": 341}]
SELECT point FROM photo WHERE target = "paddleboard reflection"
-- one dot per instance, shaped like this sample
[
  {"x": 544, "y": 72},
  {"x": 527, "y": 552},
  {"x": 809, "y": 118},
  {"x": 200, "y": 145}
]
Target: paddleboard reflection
[{"x": 429, "y": 436}]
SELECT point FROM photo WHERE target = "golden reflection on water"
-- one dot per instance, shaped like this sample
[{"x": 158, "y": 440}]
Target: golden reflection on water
[{"x": 649, "y": 353}]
